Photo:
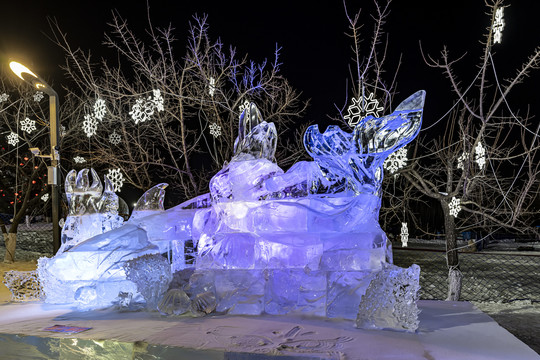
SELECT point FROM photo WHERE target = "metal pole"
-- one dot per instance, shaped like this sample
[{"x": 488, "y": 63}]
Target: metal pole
[{"x": 54, "y": 173}]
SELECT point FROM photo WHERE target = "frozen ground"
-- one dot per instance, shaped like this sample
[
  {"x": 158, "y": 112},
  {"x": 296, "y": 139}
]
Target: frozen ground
[{"x": 521, "y": 318}]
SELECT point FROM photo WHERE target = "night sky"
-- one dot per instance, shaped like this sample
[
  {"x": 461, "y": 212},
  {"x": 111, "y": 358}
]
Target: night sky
[{"x": 316, "y": 52}]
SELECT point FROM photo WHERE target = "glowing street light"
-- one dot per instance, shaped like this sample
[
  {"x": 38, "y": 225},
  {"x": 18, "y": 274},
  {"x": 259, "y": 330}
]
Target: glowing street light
[{"x": 54, "y": 125}]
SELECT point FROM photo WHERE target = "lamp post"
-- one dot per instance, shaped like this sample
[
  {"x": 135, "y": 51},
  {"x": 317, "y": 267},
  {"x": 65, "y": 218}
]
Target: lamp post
[{"x": 54, "y": 125}]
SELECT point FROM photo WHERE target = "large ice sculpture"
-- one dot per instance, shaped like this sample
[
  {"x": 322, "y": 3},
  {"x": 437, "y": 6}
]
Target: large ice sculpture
[
  {"x": 302, "y": 241},
  {"x": 306, "y": 240}
]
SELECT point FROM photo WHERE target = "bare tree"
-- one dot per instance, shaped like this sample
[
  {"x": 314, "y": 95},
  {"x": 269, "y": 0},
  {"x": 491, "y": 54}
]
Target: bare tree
[
  {"x": 23, "y": 124},
  {"x": 161, "y": 116},
  {"x": 370, "y": 86},
  {"x": 483, "y": 169}
]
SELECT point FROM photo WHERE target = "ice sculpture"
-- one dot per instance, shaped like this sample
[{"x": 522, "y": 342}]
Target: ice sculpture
[
  {"x": 266, "y": 241},
  {"x": 92, "y": 210},
  {"x": 306, "y": 240},
  {"x": 152, "y": 275},
  {"x": 89, "y": 269},
  {"x": 390, "y": 300}
]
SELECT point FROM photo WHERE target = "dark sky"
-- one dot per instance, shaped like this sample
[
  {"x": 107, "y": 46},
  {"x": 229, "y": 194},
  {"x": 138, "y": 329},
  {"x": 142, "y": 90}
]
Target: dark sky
[{"x": 316, "y": 52}]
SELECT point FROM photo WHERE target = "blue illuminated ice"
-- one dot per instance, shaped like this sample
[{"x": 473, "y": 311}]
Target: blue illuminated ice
[{"x": 263, "y": 240}]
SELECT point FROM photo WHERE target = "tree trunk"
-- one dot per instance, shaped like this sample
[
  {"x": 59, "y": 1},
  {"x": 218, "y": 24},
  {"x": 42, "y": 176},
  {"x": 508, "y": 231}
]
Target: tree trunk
[
  {"x": 11, "y": 241},
  {"x": 452, "y": 260}
]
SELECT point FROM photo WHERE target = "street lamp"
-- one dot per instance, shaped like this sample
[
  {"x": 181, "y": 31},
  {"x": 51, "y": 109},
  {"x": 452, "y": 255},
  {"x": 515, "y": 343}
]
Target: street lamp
[{"x": 39, "y": 84}]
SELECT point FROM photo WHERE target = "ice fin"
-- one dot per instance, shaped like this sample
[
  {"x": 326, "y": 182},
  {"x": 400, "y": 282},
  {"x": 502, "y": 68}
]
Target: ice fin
[
  {"x": 152, "y": 199},
  {"x": 69, "y": 186}
]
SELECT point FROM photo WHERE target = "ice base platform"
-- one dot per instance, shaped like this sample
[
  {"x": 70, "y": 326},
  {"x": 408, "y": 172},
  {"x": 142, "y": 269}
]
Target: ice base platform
[{"x": 448, "y": 330}]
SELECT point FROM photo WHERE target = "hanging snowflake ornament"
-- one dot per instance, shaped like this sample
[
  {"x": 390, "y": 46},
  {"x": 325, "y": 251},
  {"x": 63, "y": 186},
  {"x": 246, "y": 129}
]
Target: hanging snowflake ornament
[
  {"x": 142, "y": 110},
  {"x": 215, "y": 130},
  {"x": 117, "y": 179},
  {"x": 455, "y": 206},
  {"x": 244, "y": 106},
  {"x": 45, "y": 197},
  {"x": 89, "y": 125},
  {"x": 404, "y": 234},
  {"x": 115, "y": 138},
  {"x": 13, "y": 138},
  {"x": 480, "y": 156},
  {"x": 397, "y": 160},
  {"x": 461, "y": 160},
  {"x": 212, "y": 87},
  {"x": 157, "y": 100},
  {"x": 99, "y": 109},
  {"x": 498, "y": 25},
  {"x": 62, "y": 130},
  {"x": 3, "y": 97},
  {"x": 79, "y": 159},
  {"x": 28, "y": 125},
  {"x": 362, "y": 108},
  {"x": 38, "y": 96}
]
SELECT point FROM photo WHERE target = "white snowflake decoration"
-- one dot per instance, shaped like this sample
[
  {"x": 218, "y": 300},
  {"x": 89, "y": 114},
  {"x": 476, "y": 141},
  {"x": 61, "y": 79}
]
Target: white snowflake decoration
[
  {"x": 212, "y": 87},
  {"x": 89, "y": 125},
  {"x": 362, "y": 108},
  {"x": 100, "y": 109},
  {"x": 455, "y": 206},
  {"x": 157, "y": 100},
  {"x": 13, "y": 138},
  {"x": 115, "y": 138},
  {"x": 142, "y": 110},
  {"x": 28, "y": 125},
  {"x": 404, "y": 234},
  {"x": 461, "y": 160},
  {"x": 397, "y": 160},
  {"x": 215, "y": 130},
  {"x": 117, "y": 179},
  {"x": 62, "y": 130},
  {"x": 244, "y": 106},
  {"x": 498, "y": 25},
  {"x": 38, "y": 96},
  {"x": 79, "y": 159},
  {"x": 480, "y": 156},
  {"x": 3, "y": 97},
  {"x": 45, "y": 197}
]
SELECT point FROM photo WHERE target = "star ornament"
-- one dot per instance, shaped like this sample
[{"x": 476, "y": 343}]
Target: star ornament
[
  {"x": 90, "y": 125},
  {"x": 480, "y": 156},
  {"x": 100, "y": 109},
  {"x": 115, "y": 138},
  {"x": 79, "y": 159},
  {"x": 13, "y": 138},
  {"x": 498, "y": 26},
  {"x": 455, "y": 206},
  {"x": 117, "y": 179},
  {"x": 215, "y": 130},
  {"x": 404, "y": 234},
  {"x": 212, "y": 86},
  {"x": 28, "y": 125},
  {"x": 362, "y": 108},
  {"x": 397, "y": 160},
  {"x": 38, "y": 96}
]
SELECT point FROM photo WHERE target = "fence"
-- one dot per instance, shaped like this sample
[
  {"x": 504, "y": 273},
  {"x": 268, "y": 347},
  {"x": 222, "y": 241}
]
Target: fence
[{"x": 487, "y": 276}]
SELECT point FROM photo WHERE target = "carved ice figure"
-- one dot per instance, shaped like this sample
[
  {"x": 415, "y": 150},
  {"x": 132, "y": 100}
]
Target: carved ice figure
[
  {"x": 89, "y": 269},
  {"x": 390, "y": 300},
  {"x": 306, "y": 240},
  {"x": 92, "y": 209},
  {"x": 313, "y": 230}
]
